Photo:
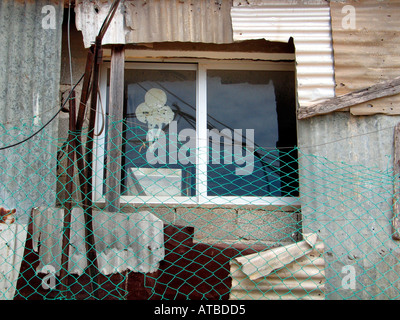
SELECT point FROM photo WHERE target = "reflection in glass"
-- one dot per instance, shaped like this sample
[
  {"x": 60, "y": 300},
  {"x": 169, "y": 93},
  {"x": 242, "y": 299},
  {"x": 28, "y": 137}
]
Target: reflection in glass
[
  {"x": 253, "y": 112},
  {"x": 158, "y": 105}
]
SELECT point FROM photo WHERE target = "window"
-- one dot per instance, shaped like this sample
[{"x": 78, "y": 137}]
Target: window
[{"x": 198, "y": 132}]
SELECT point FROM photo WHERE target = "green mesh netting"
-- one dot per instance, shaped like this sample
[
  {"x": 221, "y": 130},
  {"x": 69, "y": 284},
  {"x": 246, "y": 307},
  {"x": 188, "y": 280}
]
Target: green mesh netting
[{"x": 297, "y": 226}]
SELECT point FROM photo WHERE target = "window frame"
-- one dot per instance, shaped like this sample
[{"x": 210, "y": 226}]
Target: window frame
[{"x": 200, "y": 66}]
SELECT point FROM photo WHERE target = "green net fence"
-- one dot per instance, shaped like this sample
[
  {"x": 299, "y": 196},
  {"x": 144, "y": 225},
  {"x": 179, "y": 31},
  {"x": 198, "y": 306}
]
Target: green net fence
[{"x": 296, "y": 226}]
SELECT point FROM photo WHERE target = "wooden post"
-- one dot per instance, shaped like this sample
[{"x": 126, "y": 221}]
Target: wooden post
[
  {"x": 396, "y": 187},
  {"x": 68, "y": 203},
  {"x": 91, "y": 254},
  {"x": 115, "y": 127},
  {"x": 79, "y": 122}
]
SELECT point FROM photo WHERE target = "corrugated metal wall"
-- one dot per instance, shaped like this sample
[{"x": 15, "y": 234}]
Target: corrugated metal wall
[
  {"x": 146, "y": 21},
  {"x": 362, "y": 141},
  {"x": 363, "y": 56},
  {"x": 310, "y": 28},
  {"x": 207, "y": 21},
  {"x": 361, "y": 145},
  {"x": 301, "y": 279},
  {"x": 30, "y": 58},
  {"x": 366, "y": 52}
]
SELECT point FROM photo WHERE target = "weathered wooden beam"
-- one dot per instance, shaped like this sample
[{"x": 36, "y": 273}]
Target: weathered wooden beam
[
  {"x": 396, "y": 187},
  {"x": 383, "y": 89},
  {"x": 85, "y": 90},
  {"x": 114, "y": 134},
  {"x": 91, "y": 254},
  {"x": 80, "y": 120},
  {"x": 68, "y": 203}
]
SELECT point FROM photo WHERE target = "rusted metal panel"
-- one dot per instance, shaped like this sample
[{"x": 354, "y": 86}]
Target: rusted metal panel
[
  {"x": 302, "y": 278},
  {"x": 146, "y": 21},
  {"x": 366, "y": 49},
  {"x": 309, "y": 25}
]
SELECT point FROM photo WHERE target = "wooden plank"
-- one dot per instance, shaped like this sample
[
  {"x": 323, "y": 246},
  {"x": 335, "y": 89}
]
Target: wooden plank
[
  {"x": 85, "y": 91},
  {"x": 114, "y": 134},
  {"x": 387, "y": 105},
  {"x": 396, "y": 187},
  {"x": 78, "y": 145},
  {"x": 383, "y": 89},
  {"x": 88, "y": 186},
  {"x": 69, "y": 188}
]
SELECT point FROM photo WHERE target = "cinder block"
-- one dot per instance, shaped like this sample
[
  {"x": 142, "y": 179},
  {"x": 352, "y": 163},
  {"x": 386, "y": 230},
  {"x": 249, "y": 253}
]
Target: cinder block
[
  {"x": 211, "y": 225},
  {"x": 165, "y": 213},
  {"x": 267, "y": 226}
]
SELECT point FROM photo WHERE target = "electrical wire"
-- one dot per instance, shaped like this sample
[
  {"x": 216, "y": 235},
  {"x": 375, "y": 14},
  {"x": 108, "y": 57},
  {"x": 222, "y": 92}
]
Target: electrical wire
[
  {"x": 47, "y": 123},
  {"x": 108, "y": 18}
]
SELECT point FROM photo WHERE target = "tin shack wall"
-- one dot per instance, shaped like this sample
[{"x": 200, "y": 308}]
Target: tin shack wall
[
  {"x": 337, "y": 151},
  {"x": 366, "y": 39},
  {"x": 147, "y": 21},
  {"x": 30, "y": 55},
  {"x": 354, "y": 210},
  {"x": 359, "y": 235}
]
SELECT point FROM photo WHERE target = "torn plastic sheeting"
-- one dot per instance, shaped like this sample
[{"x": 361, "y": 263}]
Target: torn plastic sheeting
[
  {"x": 122, "y": 241},
  {"x": 261, "y": 264}
]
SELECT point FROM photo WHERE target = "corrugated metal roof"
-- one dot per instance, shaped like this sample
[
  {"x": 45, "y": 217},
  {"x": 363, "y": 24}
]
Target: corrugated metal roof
[
  {"x": 367, "y": 54},
  {"x": 311, "y": 30},
  {"x": 146, "y": 21},
  {"x": 30, "y": 56},
  {"x": 303, "y": 278}
]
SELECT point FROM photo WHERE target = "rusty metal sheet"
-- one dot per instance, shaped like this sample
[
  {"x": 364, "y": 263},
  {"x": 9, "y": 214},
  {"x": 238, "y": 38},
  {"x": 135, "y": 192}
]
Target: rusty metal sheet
[
  {"x": 146, "y": 21},
  {"x": 366, "y": 51},
  {"x": 301, "y": 277}
]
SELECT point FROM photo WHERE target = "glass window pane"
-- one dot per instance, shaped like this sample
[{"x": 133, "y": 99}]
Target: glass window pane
[
  {"x": 252, "y": 132},
  {"x": 159, "y": 104}
]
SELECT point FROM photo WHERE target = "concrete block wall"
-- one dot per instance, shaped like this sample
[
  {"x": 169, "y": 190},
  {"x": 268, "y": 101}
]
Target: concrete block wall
[{"x": 231, "y": 224}]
